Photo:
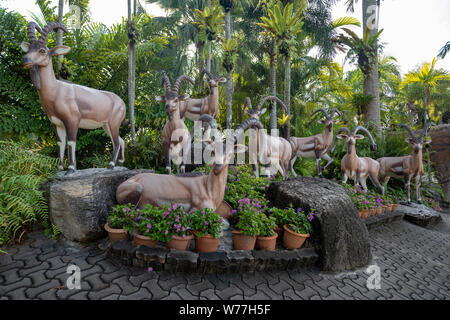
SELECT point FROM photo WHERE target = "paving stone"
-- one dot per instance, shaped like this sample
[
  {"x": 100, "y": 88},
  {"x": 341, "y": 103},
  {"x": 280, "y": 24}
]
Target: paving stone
[
  {"x": 228, "y": 292},
  {"x": 183, "y": 292},
  {"x": 97, "y": 295},
  {"x": 209, "y": 294},
  {"x": 258, "y": 296},
  {"x": 125, "y": 285},
  {"x": 142, "y": 294},
  {"x": 17, "y": 294},
  {"x": 153, "y": 287},
  {"x": 32, "y": 293},
  {"x": 197, "y": 288},
  {"x": 24, "y": 282},
  {"x": 81, "y": 295}
]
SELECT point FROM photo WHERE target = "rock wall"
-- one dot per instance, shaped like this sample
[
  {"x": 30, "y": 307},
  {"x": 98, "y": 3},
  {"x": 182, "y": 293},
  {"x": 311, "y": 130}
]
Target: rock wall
[
  {"x": 79, "y": 203},
  {"x": 338, "y": 234},
  {"x": 440, "y": 156}
]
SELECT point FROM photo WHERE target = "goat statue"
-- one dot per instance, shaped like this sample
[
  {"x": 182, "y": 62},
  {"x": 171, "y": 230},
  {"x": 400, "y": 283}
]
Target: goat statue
[
  {"x": 272, "y": 150},
  {"x": 176, "y": 140},
  {"x": 70, "y": 106},
  {"x": 354, "y": 167},
  {"x": 193, "y": 193},
  {"x": 407, "y": 167},
  {"x": 315, "y": 146}
]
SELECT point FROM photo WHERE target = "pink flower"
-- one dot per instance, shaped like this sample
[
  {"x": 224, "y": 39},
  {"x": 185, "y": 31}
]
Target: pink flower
[
  {"x": 206, "y": 223},
  {"x": 149, "y": 226},
  {"x": 149, "y": 269}
]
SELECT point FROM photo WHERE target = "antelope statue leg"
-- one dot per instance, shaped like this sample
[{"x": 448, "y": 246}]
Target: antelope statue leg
[
  {"x": 327, "y": 158},
  {"x": 62, "y": 135},
  {"x": 122, "y": 151},
  {"x": 376, "y": 182},
  {"x": 418, "y": 181},
  {"x": 408, "y": 185},
  {"x": 166, "y": 150},
  {"x": 114, "y": 136},
  {"x": 72, "y": 130},
  {"x": 319, "y": 167},
  {"x": 363, "y": 181},
  {"x": 291, "y": 165}
]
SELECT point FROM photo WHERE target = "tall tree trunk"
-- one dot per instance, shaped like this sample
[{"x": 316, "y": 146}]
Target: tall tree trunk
[
  {"x": 229, "y": 86},
  {"x": 201, "y": 65},
  {"x": 273, "y": 87},
  {"x": 59, "y": 33},
  {"x": 287, "y": 92},
  {"x": 372, "y": 114},
  {"x": 131, "y": 75},
  {"x": 208, "y": 61}
]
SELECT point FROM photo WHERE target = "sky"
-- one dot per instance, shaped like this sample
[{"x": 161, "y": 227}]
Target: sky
[{"x": 414, "y": 30}]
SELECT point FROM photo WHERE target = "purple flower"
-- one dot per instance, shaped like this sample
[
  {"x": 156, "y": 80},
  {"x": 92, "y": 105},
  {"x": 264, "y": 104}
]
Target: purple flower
[
  {"x": 293, "y": 228},
  {"x": 149, "y": 269},
  {"x": 311, "y": 217},
  {"x": 166, "y": 232},
  {"x": 206, "y": 223},
  {"x": 149, "y": 226},
  {"x": 299, "y": 210},
  {"x": 174, "y": 206}
]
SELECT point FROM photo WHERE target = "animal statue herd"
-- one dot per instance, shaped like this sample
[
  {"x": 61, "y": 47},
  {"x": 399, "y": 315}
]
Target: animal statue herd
[{"x": 70, "y": 107}]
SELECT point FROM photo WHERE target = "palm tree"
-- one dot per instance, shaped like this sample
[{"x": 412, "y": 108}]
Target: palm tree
[
  {"x": 444, "y": 50},
  {"x": 428, "y": 77},
  {"x": 132, "y": 35},
  {"x": 227, "y": 5},
  {"x": 284, "y": 25}
]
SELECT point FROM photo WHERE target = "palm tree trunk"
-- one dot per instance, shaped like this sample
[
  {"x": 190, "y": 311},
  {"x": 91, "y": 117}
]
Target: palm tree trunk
[
  {"x": 372, "y": 114},
  {"x": 273, "y": 88},
  {"x": 287, "y": 92},
  {"x": 208, "y": 61},
  {"x": 229, "y": 86},
  {"x": 131, "y": 76},
  {"x": 59, "y": 33}
]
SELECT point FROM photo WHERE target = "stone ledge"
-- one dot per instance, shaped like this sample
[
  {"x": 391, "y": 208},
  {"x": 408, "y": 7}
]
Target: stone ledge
[
  {"x": 382, "y": 218},
  {"x": 219, "y": 262},
  {"x": 420, "y": 215}
]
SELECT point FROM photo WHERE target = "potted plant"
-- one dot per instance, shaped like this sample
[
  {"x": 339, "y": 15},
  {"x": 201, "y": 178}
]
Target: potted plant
[
  {"x": 267, "y": 238},
  {"x": 179, "y": 222},
  {"x": 280, "y": 219},
  {"x": 151, "y": 226},
  {"x": 298, "y": 228},
  {"x": 207, "y": 226},
  {"x": 247, "y": 228},
  {"x": 119, "y": 222}
]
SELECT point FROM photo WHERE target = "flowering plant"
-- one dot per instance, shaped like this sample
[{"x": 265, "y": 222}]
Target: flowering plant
[
  {"x": 178, "y": 220},
  {"x": 121, "y": 216},
  {"x": 280, "y": 216},
  {"x": 205, "y": 221},
  {"x": 250, "y": 215},
  {"x": 151, "y": 222},
  {"x": 267, "y": 226},
  {"x": 298, "y": 221}
]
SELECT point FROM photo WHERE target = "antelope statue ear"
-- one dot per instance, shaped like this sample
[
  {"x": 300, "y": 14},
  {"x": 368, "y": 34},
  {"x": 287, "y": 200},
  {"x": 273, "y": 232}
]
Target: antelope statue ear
[
  {"x": 359, "y": 137},
  {"x": 59, "y": 50},
  {"x": 263, "y": 111},
  {"x": 222, "y": 79},
  {"x": 25, "y": 46},
  {"x": 160, "y": 98},
  {"x": 240, "y": 148},
  {"x": 322, "y": 121},
  {"x": 341, "y": 136},
  {"x": 428, "y": 141},
  {"x": 409, "y": 140},
  {"x": 336, "y": 121}
]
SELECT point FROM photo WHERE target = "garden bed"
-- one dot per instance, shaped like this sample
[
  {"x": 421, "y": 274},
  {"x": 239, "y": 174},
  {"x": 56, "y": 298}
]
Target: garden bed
[{"x": 224, "y": 260}]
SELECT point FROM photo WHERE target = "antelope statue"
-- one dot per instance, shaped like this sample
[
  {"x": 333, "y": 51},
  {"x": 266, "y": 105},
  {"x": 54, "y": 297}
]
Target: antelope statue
[
  {"x": 315, "y": 146},
  {"x": 193, "y": 193},
  {"x": 408, "y": 166},
  {"x": 192, "y": 109},
  {"x": 176, "y": 140},
  {"x": 67, "y": 105},
  {"x": 277, "y": 150},
  {"x": 354, "y": 167}
]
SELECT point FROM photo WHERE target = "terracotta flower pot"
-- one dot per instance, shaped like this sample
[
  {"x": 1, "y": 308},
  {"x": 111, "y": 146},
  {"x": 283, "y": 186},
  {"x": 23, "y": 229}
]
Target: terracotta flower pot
[
  {"x": 116, "y": 234},
  {"x": 140, "y": 240},
  {"x": 243, "y": 242},
  {"x": 379, "y": 210},
  {"x": 179, "y": 243},
  {"x": 365, "y": 213},
  {"x": 293, "y": 240},
  {"x": 372, "y": 212},
  {"x": 206, "y": 243},
  {"x": 267, "y": 243},
  {"x": 394, "y": 207}
]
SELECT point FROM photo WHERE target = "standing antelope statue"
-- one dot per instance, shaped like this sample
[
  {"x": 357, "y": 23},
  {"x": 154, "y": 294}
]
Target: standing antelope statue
[
  {"x": 408, "y": 166},
  {"x": 270, "y": 149},
  {"x": 315, "y": 146},
  {"x": 193, "y": 193},
  {"x": 354, "y": 167},
  {"x": 176, "y": 140},
  {"x": 67, "y": 105},
  {"x": 194, "y": 108}
]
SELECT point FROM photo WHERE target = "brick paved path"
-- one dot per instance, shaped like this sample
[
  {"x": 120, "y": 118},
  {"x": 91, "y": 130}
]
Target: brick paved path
[{"x": 414, "y": 263}]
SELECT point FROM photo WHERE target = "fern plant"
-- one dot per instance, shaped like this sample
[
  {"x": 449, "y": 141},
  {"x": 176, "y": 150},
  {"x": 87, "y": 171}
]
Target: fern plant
[{"x": 22, "y": 203}]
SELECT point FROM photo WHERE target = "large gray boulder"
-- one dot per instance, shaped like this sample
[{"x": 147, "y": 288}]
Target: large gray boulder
[
  {"x": 420, "y": 214},
  {"x": 79, "y": 203},
  {"x": 338, "y": 234}
]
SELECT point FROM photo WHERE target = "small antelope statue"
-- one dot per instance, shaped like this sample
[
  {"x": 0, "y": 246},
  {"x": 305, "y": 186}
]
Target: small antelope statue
[
  {"x": 354, "y": 167},
  {"x": 192, "y": 109},
  {"x": 275, "y": 151},
  {"x": 315, "y": 146},
  {"x": 408, "y": 166},
  {"x": 176, "y": 140},
  {"x": 67, "y": 105},
  {"x": 193, "y": 193}
]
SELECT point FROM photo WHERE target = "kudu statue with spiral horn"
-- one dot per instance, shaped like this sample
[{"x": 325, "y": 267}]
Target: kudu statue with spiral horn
[
  {"x": 354, "y": 167},
  {"x": 67, "y": 105},
  {"x": 316, "y": 146},
  {"x": 407, "y": 167}
]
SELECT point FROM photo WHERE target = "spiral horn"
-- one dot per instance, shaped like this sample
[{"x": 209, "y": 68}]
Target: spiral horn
[
  {"x": 50, "y": 27},
  {"x": 32, "y": 27}
]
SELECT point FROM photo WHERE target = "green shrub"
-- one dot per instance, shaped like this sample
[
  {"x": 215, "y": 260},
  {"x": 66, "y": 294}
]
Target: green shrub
[
  {"x": 299, "y": 221},
  {"x": 22, "y": 203},
  {"x": 205, "y": 221}
]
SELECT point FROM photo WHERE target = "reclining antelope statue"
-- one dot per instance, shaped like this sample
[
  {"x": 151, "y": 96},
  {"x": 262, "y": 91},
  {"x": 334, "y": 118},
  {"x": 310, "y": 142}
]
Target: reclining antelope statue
[
  {"x": 354, "y": 167},
  {"x": 271, "y": 150},
  {"x": 67, "y": 105},
  {"x": 193, "y": 193},
  {"x": 408, "y": 166},
  {"x": 176, "y": 140},
  {"x": 315, "y": 146}
]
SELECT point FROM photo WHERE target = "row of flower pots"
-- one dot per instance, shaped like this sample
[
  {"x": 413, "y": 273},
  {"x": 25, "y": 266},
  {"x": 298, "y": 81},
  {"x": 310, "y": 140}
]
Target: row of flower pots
[
  {"x": 365, "y": 213},
  {"x": 177, "y": 228}
]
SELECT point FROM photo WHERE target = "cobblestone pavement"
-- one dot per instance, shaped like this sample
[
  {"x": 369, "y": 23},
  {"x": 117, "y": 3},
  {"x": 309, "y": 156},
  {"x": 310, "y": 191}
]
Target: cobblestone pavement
[{"x": 414, "y": 264}]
